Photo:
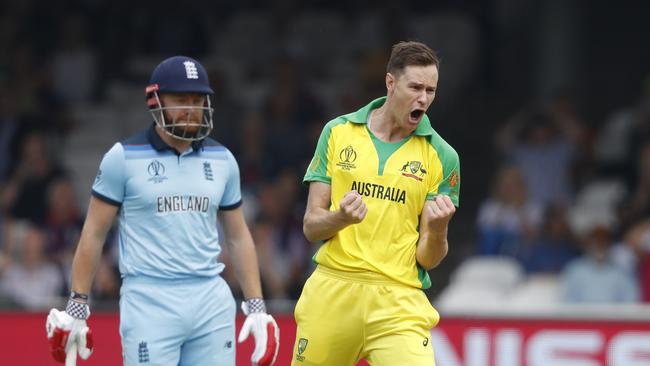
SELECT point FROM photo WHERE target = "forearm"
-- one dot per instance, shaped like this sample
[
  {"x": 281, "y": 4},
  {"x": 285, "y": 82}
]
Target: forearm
[
  {"x": 244, "y": 261},
  {"x": 86, "y": 261},
  {"x": 321, "y": 224},
  {"x": 432, "y": 248}
]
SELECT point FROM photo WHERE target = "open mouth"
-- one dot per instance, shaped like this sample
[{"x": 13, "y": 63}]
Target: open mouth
[{"x": 416, "y": 115}]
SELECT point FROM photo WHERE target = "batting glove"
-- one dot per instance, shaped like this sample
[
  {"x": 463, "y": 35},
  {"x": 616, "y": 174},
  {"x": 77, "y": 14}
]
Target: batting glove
[
  {"x": 265, "y": 331},
  {"x": 64, "y": 328}
]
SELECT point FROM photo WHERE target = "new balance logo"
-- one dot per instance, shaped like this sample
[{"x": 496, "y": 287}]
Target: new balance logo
[
  {"x": 190, "y": 70},
  {"x": 143, "y": 353}
]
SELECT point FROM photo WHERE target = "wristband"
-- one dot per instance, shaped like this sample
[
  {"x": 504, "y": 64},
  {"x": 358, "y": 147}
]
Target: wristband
[
  {"x": 77, "y": 310},
  {"x": 78, "y": 296},
  {"x": 256, "y": 305}
]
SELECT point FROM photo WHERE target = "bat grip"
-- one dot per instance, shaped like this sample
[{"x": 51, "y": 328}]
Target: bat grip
[{"x": 71, "y": 356}]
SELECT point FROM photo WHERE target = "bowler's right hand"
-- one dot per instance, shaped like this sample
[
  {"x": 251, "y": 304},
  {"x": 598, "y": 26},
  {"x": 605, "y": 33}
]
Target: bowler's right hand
[{"x": 352, "y": 209}]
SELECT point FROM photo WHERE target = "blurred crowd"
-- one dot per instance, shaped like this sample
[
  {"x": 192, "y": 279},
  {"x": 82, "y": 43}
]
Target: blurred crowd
[
  {"x": 568, "y": 195},
  {"x": 571, "y": 200}
]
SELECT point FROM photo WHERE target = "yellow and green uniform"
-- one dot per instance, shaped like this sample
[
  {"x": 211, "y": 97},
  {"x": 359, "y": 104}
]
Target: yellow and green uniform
[{"x": 395, "y": 180}]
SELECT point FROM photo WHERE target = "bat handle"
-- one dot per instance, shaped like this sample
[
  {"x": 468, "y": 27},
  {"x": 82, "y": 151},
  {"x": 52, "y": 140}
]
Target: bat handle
[{"x": 71, "y": 356}]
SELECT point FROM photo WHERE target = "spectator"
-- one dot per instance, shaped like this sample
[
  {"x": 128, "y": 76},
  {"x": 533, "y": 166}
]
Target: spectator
[
  {"x": 564, "y": 111},
  {"x": 543, "y": 147},
  {"x": 24, "y": 196},
  {"x": 289, "y": 110},
  {"x": 226, "y": 107},
  {"x": 555, "y": 247},
  {"x": 594, "y": 277},
  {"x": 637, "y": 239},
  {"x": 74, "y": 64},
  {"x": 63, "y": 221},
  {"x": 278, "y": 234},
  {"x": 623, "y": 135},
  {"x": 637, "y": 204},
  {"x": 9, "y": 128},
  {"x": 509, "y": 219},
  {"x": 254, "y": 163},
  {"x": 33, "y": 282}
]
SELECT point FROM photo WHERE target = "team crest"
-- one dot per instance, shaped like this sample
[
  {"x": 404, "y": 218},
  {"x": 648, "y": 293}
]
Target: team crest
[
  {"x": 143, "y": 352},
  {"x": 190, "y": 70},
  {"x": 415, "y": 166},
  {"x": 413, "y": 169},
  {"x": 454, "y": 179},
  {"x": 207, "y": 171},
  {"x": 302, "y": 346}
]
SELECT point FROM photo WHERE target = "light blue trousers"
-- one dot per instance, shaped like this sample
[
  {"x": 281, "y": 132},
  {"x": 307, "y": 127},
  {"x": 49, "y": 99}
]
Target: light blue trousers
[{"x": 188, "y": 322}]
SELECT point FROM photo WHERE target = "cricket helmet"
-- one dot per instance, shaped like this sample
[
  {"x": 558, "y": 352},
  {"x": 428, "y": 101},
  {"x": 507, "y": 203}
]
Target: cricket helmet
[{"x": 180, "y": 74}]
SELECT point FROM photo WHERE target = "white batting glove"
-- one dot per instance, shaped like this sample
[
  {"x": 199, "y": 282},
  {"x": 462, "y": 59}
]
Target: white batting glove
[
  {"x": 265, "y": 331},
  {"x": 65, "y": 328}
]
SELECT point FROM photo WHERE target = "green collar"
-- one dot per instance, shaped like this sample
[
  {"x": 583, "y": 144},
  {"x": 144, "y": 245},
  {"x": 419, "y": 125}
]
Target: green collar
[{"x": 361, "y": 116}]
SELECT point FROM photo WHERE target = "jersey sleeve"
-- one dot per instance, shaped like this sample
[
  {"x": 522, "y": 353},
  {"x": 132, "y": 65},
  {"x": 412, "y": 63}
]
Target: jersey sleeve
[
  {"x": 231, "y": 198},
  {"x": 450, "y": 184},
  {"x": 319, "y": 169},
  {"x": 110, "y": 180}
]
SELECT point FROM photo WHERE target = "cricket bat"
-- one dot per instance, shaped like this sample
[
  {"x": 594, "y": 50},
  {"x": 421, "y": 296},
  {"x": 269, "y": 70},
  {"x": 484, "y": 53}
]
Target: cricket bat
[{"x": 71, "y": 356}]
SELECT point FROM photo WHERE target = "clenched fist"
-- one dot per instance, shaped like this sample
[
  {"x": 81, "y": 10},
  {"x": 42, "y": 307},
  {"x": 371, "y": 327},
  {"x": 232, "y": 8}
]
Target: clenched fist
[
  {"x": 352, "y": 209},
  {"x": 437, "y": 213}
]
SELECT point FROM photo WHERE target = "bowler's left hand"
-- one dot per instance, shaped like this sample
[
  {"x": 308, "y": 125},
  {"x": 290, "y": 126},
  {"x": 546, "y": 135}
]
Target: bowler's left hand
[{"x": 437, "y": 213}]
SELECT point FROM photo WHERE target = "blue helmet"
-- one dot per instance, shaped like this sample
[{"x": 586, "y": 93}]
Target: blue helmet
[{"x": 180, "y": 74}]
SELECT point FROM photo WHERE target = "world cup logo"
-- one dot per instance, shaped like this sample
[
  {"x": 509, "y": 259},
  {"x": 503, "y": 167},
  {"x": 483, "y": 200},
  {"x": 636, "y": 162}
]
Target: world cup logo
[
  {"x": 156, "y": 168},
  {"x": 348, "y": 155},
  {"x": 157, "y": 171}
]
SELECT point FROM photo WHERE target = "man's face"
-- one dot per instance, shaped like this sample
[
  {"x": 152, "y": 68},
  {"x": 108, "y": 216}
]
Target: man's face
[
  {"x": 411, "y": 93},
  {"x": 184, "y": 110}
]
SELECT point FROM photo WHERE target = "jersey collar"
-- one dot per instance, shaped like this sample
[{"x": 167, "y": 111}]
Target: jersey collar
[
  {"x": 159, "y": 144},
  {"x": 361, "y": 116}
]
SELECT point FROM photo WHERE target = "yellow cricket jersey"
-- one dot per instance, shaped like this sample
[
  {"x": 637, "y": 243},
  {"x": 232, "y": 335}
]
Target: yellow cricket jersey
[{"x": 394, "y": 179}]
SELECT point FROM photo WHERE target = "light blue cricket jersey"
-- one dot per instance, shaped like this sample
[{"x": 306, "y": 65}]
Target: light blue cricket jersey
[{"x": 168, "y": 204}]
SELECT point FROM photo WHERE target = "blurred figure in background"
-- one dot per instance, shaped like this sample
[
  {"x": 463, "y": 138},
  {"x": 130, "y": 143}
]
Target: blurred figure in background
[
  {"x": 24, "y": 196},
  {"x": 563, "y": 109},
  {"x": 74, "y": 65},
  {"x": 543, "y": 147},
  {"x": 63, "y": 220},
  {"x": 280, "y": 241},
  {"x": 623, "y": 135},
  {"x": 291, "y": 106},
  {"x": 509, "y": 220},
  {"x": 554, "y": 248},
  {"x": 637, "y": 239},
  {"x": 63, "y": 224},
  {"x": 227, "y": 109},
  {"x": 254, "y": 162},
  {"x": 10, "y": 125},
  {"x": 637, "y": 202},
  {"x": 594, "y": 277},
  {"x": 32, "y": 281}
]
